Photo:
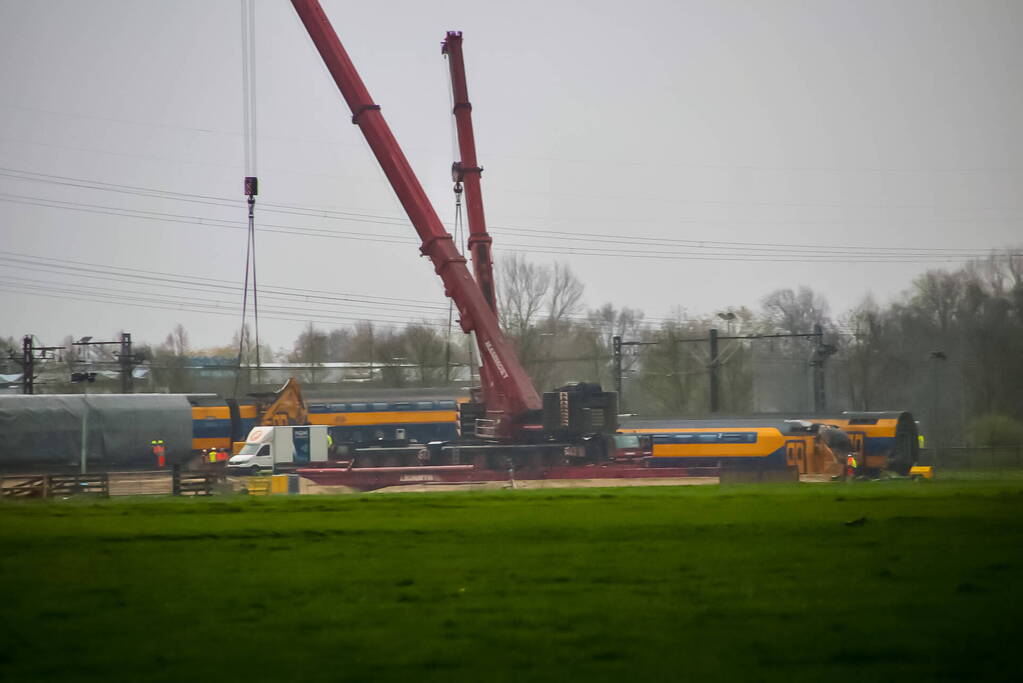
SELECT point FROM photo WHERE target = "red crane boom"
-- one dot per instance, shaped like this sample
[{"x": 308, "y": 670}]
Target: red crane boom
[
  {"x": 468, "y": 171},
  {"x": 508, "y": 393}
]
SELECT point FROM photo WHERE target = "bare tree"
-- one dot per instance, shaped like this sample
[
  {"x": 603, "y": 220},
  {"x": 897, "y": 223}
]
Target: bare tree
[
  {"x": 424, "y": 346},
  {"x": 565, "y": 298},
  {"x": 938, "y": 294},
  {"x": 176, "y": 342},
  {"x": 338, "y": 340},
  {"x": 170, "y": 359},
  {"x": 389, "y": 349},
  {"x": 310, "y": 349},
  {"x": 795, "y": 312},
  {"x": 521, "y": 290}
]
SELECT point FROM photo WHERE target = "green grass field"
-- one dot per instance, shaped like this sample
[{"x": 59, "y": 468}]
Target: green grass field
[{"x": 634, "y": 584}]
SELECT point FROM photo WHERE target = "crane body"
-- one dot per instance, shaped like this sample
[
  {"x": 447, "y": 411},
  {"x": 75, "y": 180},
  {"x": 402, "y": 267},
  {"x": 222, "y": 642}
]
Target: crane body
[
  {"x": 570, "y": 433},
  {"x": 510, "y": 399},
  {"x": 467, "y": 172}
]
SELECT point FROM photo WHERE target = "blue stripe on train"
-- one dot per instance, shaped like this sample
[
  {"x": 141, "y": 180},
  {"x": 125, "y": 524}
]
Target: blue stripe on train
[
  {"x": 211, "y": 429},
  {"x": 878, "y": 445},
  {"x": 217, "y": 428}
]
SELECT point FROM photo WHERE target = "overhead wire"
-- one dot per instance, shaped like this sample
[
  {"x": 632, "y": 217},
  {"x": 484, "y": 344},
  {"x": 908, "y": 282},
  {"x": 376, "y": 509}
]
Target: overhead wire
[
  {"x": 588, "y": 236},
  {"x": 101, "y": 270},
  {"x": 834, "y": 255},
  {"x": 145, "y": 277},
  {"x": 224, "y": 308}
]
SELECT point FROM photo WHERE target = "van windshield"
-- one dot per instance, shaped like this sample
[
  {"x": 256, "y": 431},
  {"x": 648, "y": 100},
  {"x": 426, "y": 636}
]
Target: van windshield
[
  {"x": 249, "y": 449},
  {"x": 627, "y": 441}
]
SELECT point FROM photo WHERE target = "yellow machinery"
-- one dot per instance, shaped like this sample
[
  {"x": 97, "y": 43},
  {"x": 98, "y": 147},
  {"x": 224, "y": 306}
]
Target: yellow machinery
[{"x": 287, "y": 408}]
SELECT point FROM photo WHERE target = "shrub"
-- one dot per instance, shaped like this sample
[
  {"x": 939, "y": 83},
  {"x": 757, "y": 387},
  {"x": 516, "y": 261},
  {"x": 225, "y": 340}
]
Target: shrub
[{"x": 996, "y": 430}]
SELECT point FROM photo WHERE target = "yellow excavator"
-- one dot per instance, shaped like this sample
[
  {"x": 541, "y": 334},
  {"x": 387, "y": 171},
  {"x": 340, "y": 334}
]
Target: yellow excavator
[{"x": 283, "y": 407}]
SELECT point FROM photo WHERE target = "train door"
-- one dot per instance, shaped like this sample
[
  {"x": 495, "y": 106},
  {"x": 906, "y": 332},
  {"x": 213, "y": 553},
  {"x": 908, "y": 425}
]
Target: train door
[
  {"x": 796, "y": 454},
  {"x": 858, "y": 440}
]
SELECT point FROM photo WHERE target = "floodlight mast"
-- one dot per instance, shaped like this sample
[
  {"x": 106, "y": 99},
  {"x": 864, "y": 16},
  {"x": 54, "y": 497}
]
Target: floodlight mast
[{"x": 508, "y": 393}]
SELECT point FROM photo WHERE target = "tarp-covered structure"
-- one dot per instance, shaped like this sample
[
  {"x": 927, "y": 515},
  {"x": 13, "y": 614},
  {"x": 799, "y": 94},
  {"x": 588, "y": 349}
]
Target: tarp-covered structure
[{"x": 44, "y": 433}]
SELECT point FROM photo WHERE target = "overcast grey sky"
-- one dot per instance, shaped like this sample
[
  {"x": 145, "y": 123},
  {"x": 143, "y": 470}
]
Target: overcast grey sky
[{"x": 664, "y": 149}]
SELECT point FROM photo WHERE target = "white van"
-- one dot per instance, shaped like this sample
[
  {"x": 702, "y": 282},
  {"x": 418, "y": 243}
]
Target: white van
[{"x": 267, "y": 447}]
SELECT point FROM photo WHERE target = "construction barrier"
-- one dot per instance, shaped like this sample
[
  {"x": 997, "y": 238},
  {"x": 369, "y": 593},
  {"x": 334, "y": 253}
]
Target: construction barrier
[{"x": 276, "y": 484}]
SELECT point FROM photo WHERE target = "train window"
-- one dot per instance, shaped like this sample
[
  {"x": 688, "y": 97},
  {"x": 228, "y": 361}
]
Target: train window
[
  {"x": 338, "y": 407},
  {"x": 863, "y": 421},
  {"x": 739, "y": 437},
  {"x": 357, "y": 407},
  {"x": 673, "y": 438},
  {"x": 403, "y": 405},
  {"x": 446, "y": 405},
  {"x": 379, "y": 406},
  {"x": 705, "y": 437},
  {"x": 319, "y": 408},
  {"x": 424, "y": 405}
]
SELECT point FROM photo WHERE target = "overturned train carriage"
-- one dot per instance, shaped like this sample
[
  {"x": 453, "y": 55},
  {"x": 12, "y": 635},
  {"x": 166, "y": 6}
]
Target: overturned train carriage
[
  {"x": 884, "y": 440},
  {"x": 44, "y": 433},
  {"x": 879, "y": 440}
]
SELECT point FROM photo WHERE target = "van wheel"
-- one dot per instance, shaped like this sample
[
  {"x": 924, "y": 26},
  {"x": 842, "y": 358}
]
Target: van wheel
[{"x": 254, "y": 472}]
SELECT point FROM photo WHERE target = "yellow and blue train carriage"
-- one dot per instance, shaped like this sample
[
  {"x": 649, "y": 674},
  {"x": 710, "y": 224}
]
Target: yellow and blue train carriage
[
  {"x": 218, "y": 422},
  {"x": 357, "y": 422},
  {"x": 769, "y": 443}
]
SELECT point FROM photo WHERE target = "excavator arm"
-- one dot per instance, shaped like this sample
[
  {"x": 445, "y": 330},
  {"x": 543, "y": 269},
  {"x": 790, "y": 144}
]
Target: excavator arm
[
  {"x": 508, "y": 393},
  {"x": 288, "y": 407}
]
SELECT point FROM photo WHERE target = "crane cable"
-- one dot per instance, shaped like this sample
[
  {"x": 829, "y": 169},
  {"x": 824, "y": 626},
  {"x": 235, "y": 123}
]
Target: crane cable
[
  {"x": 459, "y": 237},
  {"x": 248, "y": 21}
]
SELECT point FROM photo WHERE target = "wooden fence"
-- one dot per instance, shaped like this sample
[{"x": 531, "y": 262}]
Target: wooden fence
[
  {"x": 106, "y": 484},
  {"x": 56, "y": 486}
]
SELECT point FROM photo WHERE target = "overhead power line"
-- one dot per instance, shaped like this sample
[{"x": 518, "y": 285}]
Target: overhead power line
[
  {"x": 533, "y": 232},
  {"x": 136, "y": 277},
  {"x": 228, "y": 309},
  {"x": 144, "y": 277},
  {"x": 696, "y": 253}
]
